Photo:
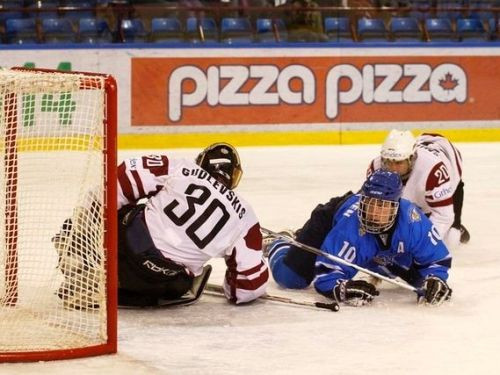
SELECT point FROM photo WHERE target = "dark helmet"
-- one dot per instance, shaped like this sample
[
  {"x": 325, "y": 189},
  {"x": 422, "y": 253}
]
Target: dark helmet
[
  {"x": 222, "y": 161},
  {"x": 379, "y": 201}
]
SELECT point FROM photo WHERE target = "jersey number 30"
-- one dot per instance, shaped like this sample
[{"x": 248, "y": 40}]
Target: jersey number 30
[{"x": 193, "y": 199}]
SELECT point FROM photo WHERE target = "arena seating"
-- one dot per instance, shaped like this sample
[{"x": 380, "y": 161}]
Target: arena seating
[
  {"x": 270, "y": 30},
  {"x": 15, "y": 13},
  {"x": 235, "y": 30},
  {"x": 372, "y": 30},
  {"x": 133, "y": 31},
  {"x": 338, "y": 29},
  {"x": 471, "y": 29},
  {"x": 58, "y": 30},
  {"x": 439, "y": 30},
  {"x": 122, "y": 21},
  {"x": 166, "y": 30},
  {"x": 21, "y": 31},
  {"x": 405, "y": 29},
  {"x": 94, "y": 31},
  {"x": 203, "y": 30}
]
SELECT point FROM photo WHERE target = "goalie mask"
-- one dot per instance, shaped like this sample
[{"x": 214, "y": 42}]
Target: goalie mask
[
  {"x": 397, "y": 154},
  {"x": 222, "y": 161},
  {"x": 379, "y": 201}
]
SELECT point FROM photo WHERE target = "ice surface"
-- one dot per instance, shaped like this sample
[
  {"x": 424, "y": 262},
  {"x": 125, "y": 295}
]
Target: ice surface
[{"x": 393, "y": 336}]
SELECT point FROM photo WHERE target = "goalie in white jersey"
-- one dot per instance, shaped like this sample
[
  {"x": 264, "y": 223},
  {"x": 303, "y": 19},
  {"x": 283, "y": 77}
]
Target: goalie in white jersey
[
  {"x": 191, "y": 215},
  {"x": 174, "y": 216},
  {"x": 431, "y": 169}
]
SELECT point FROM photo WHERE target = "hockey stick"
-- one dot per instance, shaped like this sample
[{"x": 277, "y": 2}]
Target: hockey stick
[
  {"x": 334, "y": 258},
  {"x": 217, "y": 290}
]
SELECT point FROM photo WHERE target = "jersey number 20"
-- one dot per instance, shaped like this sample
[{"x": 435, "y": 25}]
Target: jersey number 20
[{"x": 192, "y": 202}]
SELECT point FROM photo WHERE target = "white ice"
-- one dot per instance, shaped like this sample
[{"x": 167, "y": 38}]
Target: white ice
[{"x": 393, "y": 336}]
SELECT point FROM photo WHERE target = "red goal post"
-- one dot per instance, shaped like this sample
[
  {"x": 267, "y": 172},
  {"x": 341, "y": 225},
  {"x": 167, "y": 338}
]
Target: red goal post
[{"x": 58, "y": 293}]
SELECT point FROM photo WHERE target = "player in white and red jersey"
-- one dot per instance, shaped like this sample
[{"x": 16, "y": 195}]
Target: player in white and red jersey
[
  {"x": 191, "y": 215},
  {"x": 174, "y": 216},
  {"x": 431, "y": 169}
]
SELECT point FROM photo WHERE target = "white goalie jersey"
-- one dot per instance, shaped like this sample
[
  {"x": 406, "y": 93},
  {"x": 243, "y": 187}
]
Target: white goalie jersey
[
  {"x": 192, "y": 218},
  {"x": 436, "y": 172}
]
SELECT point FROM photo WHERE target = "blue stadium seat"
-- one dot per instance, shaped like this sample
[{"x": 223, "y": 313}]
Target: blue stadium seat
[
  {"x": 44, "y": 9},
  {"x": 94, "y": 31},
  {"x": 83, "y": 9},
  {"x": 14, "y": 11},
  {"x": 58, "y": 30},
  {"x": 470, "y": 30},
  {"x": 236, "y": 30},
  {"x": 21, "y": 31},
  {"x": 371, "y": 30},
  {"x": 270, "y": 30},
  {"x": 133, "y": 31},
  {"x": 405, "y": 29},
  {"x": 203, "y": 30},
  {"x": 440, "y": 30},
  {"x": 338, "y": 29},
  {"x": 166, "y": 30}
]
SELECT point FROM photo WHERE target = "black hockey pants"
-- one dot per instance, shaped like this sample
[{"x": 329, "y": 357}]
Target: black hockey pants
[{"x": 144, "y": 274}]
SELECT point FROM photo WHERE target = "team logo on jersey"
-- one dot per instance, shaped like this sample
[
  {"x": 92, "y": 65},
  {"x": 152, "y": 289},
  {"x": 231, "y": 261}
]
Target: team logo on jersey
[{"x": 414, "y": 215}]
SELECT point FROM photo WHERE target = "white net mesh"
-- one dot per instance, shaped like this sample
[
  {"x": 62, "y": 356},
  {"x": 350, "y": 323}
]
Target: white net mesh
[{"x": 52, "y": 290}]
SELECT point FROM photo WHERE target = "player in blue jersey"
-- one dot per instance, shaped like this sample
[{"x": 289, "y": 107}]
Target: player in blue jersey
[{"x": 375, "y": 229}]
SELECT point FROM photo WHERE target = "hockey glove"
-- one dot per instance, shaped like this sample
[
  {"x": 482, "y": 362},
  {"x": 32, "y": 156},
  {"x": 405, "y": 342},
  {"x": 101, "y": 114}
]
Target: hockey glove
[
  {"x": 435, "y": 291},
  {"x": 354, "y": 292}
]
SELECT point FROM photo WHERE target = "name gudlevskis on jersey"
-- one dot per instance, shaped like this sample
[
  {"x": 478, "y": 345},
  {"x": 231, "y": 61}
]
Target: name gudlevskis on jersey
[{"x": 223, "y": 190}]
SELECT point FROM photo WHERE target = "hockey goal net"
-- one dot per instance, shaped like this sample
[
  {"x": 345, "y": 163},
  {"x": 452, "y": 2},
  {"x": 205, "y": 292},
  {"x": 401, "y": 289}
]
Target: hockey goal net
[{"x": 57, "y": 214}]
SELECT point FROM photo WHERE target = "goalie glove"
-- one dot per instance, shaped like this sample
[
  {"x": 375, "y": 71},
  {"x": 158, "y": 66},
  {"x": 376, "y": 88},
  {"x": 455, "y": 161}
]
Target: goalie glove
[
  {"x": 354, "y": 292},
  {"x": 434, "y": 291}
]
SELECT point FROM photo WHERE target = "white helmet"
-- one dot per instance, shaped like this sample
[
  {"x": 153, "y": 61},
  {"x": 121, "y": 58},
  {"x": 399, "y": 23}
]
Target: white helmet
[{"x": 399, "y": 145}]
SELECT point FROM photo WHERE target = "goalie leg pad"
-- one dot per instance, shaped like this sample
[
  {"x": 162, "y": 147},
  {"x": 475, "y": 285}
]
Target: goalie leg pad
[{"x": 80, "y": 264}]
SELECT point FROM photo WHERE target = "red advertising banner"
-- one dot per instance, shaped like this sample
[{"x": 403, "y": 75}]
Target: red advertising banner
[{"x": 294, "y": 90}]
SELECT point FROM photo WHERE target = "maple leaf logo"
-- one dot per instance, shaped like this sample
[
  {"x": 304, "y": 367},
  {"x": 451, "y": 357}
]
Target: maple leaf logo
[{"x": 448, "y": 83}]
